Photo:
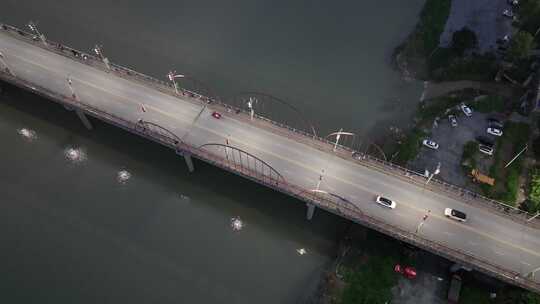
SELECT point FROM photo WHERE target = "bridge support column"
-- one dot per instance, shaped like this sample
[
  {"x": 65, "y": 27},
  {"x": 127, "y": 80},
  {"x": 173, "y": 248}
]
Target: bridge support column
[
  {"x": 189, "y": 162},
  {"x": 310, "y": 211},
  {"x": 84, "y": 119}
]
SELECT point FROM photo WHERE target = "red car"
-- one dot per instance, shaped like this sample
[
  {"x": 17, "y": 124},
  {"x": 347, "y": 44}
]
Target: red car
[
  {"x": 409, "y": 272},
  {"x": 216, "y": 115}
]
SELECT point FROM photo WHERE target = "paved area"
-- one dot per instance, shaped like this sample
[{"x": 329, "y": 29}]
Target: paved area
[
  {"x": 486, "y": 236},
  {"x": 451, "y": 141},
  {"x": 484, "y": 17},
  {"x": 429, "y": 287}
]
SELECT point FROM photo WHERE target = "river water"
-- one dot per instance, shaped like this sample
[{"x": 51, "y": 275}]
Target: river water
[{"x": 105, "y": 216}]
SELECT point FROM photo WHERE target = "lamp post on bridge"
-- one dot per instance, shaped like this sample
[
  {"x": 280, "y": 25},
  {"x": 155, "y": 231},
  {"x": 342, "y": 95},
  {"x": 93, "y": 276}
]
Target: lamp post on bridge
[
  {"x": 70, "y": 85},
  {"x": 437, "y": 171},
  {"x": 531, "y": 273},
  {"x": 250, "y": 106},
  {"x": 424, "y": 218},
  {"x": 3, "y": 61},
  {"x": 33, "y": 27},
  {"x": 98, "y": 49},
  {"x": 172, "y": 77},
  {"x": 320, "y": 180}
]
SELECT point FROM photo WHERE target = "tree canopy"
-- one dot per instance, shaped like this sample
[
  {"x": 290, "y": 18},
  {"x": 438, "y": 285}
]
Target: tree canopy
[
  {"x": 521, "y": 46},
  {"x": 463, "y": 40}
]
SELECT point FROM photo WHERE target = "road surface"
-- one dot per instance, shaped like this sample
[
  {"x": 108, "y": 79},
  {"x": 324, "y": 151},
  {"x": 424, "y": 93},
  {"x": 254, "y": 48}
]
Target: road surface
[{"x": 486, "y": 235}]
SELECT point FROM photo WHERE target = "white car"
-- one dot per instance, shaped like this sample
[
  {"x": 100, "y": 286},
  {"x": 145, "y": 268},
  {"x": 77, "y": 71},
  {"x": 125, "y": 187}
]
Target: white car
[
  {"x": 466, "y": 110},
  {"x": 430, "y": 144},
  {"x": 385, "y": 202},
  {"x": 508, "y": 13},
  {"x": 494, "y": 131},
  {"x": 485, "y": 149},
  {"x": 455, "y": 214}
]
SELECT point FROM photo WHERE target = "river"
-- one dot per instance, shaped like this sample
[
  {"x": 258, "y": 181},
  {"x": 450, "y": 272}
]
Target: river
[{"x": 105, "y": 216}]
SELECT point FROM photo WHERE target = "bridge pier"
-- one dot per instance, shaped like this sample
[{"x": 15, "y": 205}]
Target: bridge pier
[
  {"x": 84, "y": 119},
  {"x": 188, "y": 159},
  {"x": 310, "y": 211}
]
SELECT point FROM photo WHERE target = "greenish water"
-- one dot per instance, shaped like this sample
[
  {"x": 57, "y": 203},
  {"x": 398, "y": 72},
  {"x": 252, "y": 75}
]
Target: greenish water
[{"x": 73, "y": 232}]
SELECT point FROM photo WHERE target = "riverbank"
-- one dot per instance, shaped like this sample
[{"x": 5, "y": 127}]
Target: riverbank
[{"x": 411, "y": 57}]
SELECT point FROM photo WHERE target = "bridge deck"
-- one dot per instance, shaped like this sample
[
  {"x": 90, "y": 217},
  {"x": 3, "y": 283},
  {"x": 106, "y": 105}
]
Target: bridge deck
[{"x": 500, "y": 245}]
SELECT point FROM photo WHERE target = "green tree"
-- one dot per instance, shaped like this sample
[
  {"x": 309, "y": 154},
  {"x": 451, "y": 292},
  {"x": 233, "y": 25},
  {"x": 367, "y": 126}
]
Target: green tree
[
  {"x": 536, "y": 147},
  {"x": 521, "y": 46},
  {"x": 463, "y": 40},
  {"x": 534, "y": 195}
]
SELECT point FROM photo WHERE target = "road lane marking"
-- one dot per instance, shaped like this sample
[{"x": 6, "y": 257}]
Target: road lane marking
[
  {"x": 302, "y": 165},
  {"x": 498, "y": 253},
  {"x": 525, "y": 263}
]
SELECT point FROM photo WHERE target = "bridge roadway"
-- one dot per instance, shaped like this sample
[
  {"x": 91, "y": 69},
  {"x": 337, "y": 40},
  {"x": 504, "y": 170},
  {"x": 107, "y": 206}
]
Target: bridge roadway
[{"x": 486, "y": 235}]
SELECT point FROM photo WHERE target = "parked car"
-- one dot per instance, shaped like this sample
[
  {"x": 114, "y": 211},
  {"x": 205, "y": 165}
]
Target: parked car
[
  {"x": 430, "y": 144},
  {"x": 494, "y": 131},
  {"x": 484, "y": 140},
  {"x": 408, "y": 271},
  {"x": 455, "y": 214},
  {"x": 513, "y": 2},
  {"x": 466, "y": 110},
  {"x": 385, "y": 202},
  {"x": 508, "y": 13},
  {"x": 492, "y": 122},
  {"x": 453, "y": 120},
  {"x": 216, "y": 115},
  {"x": 485, "y": 149}
]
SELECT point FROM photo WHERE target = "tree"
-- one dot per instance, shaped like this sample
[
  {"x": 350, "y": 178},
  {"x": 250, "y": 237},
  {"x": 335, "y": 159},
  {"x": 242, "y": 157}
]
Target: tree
[
  {"x": 463, "y": 40},
  {"x": 534, "y": 195},
  {"x": 536, "y": 147},
  {"x": 521, "y": 45}
]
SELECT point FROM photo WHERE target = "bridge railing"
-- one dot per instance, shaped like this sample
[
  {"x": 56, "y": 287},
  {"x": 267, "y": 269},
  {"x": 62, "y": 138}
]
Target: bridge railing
[
  {"x": 435, "y": 185},
  {"x": 328, "y": 203}
]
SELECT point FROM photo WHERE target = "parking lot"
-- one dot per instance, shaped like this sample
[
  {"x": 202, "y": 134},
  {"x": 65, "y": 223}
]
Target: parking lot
[
  {"x": 484, "y": 17},
  {"x": 451, "y": 141}
]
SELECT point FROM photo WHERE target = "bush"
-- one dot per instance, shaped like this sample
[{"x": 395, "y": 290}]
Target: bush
[
  {"x": 371, "y": 283},
  {"x": 534, "y": 194},
  {"x": 536, "y": 148},
  {"x": 489, "y": 104},
  {"x": 463, "y": 40},
  {"x": 409, "y": 148},
  {"x": 477, "y": 67},
  {"x": 469, "y": 151},
  {"x": 521, "y": 46}
]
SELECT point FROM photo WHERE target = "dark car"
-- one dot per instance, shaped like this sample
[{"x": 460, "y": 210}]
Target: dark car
[
  {"x": 484, "y": 140},
  {"x": 493, "y": 123},
  {"x": 494, "y": 120}
]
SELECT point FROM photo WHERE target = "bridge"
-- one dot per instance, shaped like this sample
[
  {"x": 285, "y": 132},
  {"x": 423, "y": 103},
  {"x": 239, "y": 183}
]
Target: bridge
[{"x": 497, "y": 239}]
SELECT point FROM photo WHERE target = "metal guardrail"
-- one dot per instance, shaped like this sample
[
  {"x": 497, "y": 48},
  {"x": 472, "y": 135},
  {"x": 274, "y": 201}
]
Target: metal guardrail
[{"x": 327, "y": 203}]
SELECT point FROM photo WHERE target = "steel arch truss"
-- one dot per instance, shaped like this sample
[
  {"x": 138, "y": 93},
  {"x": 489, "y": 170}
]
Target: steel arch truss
[
  {"x": 349, "y": 140},
  {"x": 317, "y": 193},
  {"x": 147, "y": 126},
  {"x": 245, "y": 162},
  {"x": 273, "y": 108}
]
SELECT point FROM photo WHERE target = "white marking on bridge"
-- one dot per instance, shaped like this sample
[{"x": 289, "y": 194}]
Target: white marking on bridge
[{"x": 525, "y": 263}]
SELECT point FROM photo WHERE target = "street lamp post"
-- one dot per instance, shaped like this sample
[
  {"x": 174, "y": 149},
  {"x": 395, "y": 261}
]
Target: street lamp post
[
  {"x": 534, "y": 216},
  {"x": 98, "y": 49},
  {"x": 34, "y": 29},
  {"x": 437, "y": 171},
  {"x": 172, "y": 77},
  {"x": 338, "y": 136},
  {"x": 3, "y": 61},
  {"x": 250, "y": 106},
  {"x": 532, "y": 273},
  {"x": 320, "y": 180},
  {"x": 424, "y": 218},
  {"x": 70, "y": 85}
]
